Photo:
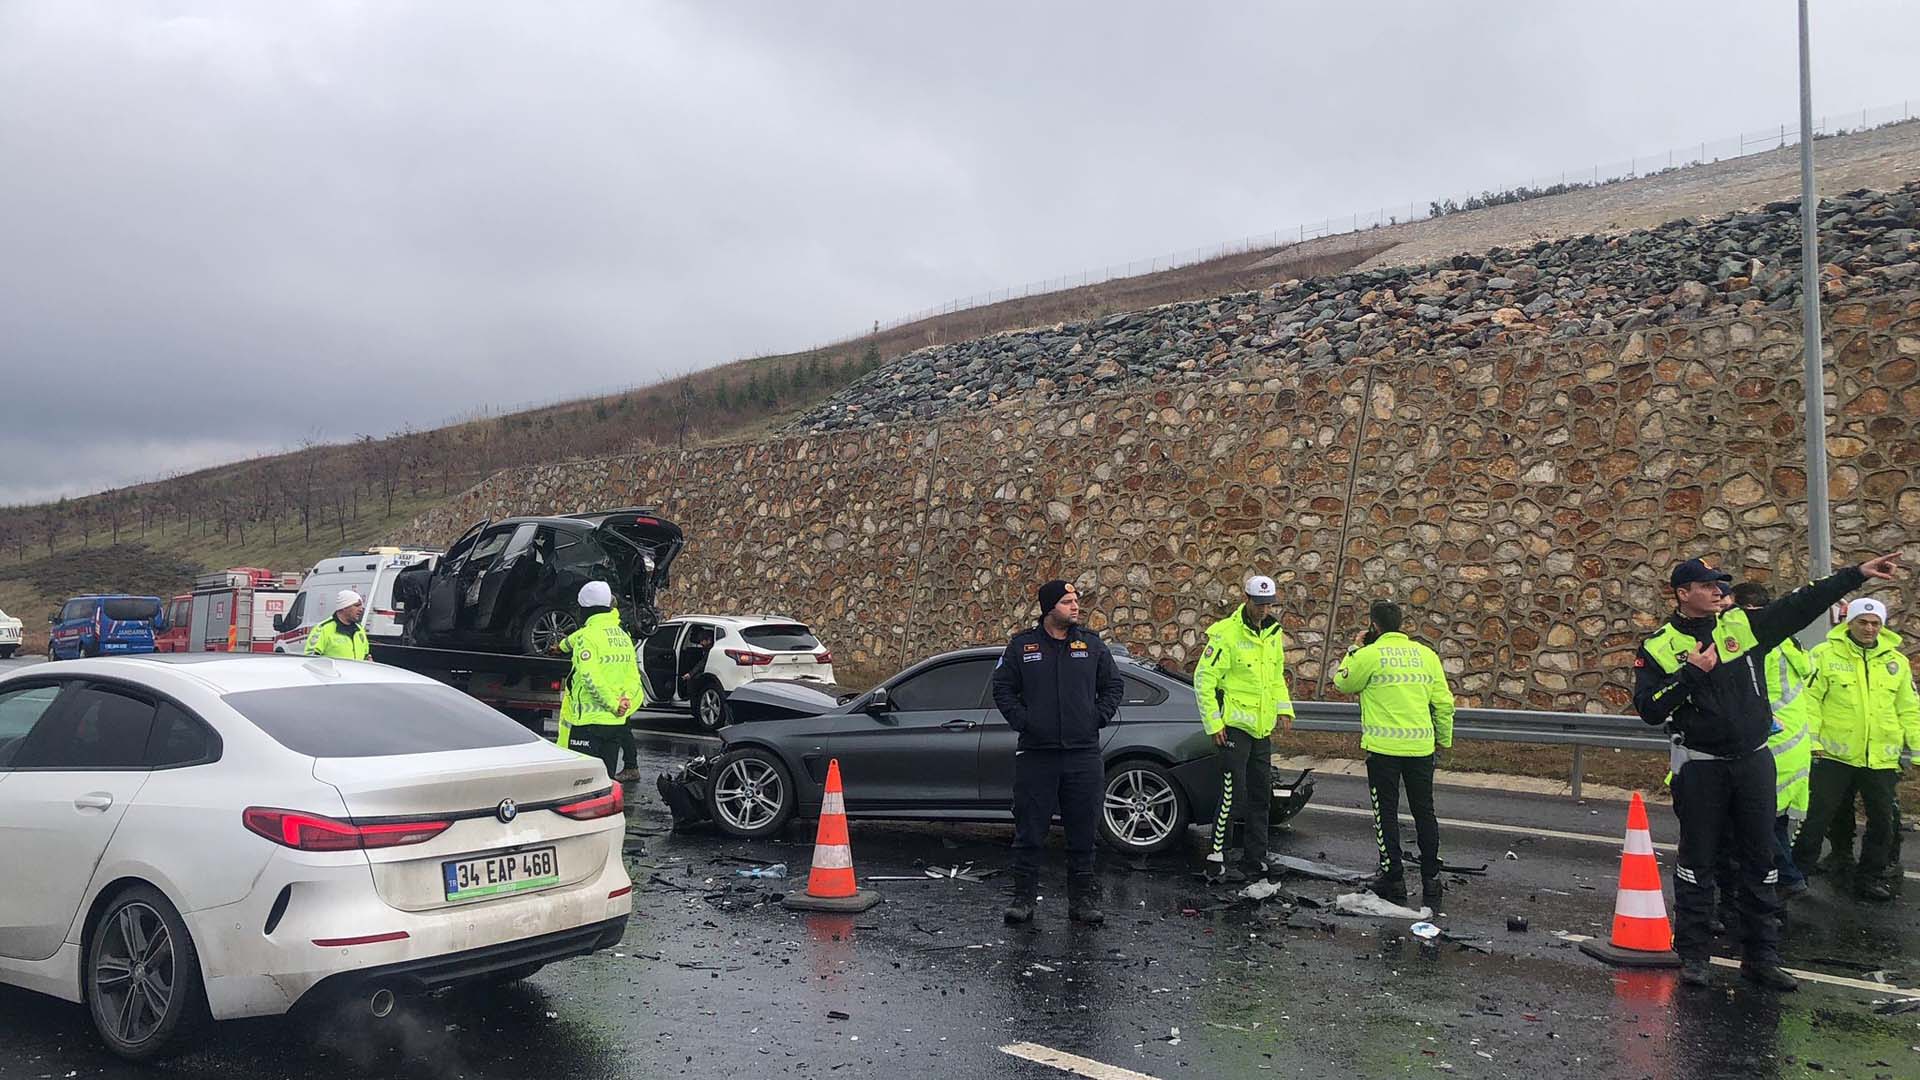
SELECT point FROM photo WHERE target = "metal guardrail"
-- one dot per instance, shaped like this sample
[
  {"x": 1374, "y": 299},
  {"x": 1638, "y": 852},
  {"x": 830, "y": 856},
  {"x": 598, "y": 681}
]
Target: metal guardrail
[{"x": 1576, "y": 730}]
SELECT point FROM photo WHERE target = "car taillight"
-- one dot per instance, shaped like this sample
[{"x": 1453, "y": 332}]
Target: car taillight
[
  {"x": 823, "y": 657},
  {"x": 749, "y": 659},
  {"x": 605, "y": 804},
  {"x": 312, "y": 832},
  {"x": 386, "y": 612},
  {"x": 554, "y": 684}
]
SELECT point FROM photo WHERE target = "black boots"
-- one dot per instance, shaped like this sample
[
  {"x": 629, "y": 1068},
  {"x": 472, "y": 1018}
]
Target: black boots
[
  {"x": 1389, "y": 887},
  {"x": 1219, "y": 873},
  {"x": 1020, "y": 908},
  {"x": 1769, "y": 975},
  {"x": 1083, "y": 899},
  {"x": 1431, "y": 891},
  {"x": 1694, "y": 973}
]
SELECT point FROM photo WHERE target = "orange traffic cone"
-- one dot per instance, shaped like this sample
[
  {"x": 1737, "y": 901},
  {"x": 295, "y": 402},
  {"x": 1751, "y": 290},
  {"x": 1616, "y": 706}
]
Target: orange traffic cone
[
  {"x": 830, "y": 884},
  {"x": 1642, "y": 936}
]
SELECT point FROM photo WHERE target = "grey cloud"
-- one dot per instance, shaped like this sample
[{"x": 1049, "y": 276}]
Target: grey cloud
[{"x": 266, "y": 220}]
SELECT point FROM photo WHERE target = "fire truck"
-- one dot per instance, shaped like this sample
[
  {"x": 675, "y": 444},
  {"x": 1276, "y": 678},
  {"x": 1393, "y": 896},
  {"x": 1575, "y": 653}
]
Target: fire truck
[{"x": 234, "y": 610}]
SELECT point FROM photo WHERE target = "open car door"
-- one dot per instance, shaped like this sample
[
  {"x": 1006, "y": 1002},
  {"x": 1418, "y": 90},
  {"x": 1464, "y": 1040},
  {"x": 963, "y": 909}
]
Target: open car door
[
  {"x": 504, "y": 583},
  {"x": 443, "y": 594}
]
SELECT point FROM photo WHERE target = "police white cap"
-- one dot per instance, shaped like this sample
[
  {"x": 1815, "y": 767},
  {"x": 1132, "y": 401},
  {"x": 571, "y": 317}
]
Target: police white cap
[
  {"x": 1866, "y": 605},
  {"x": 345, "y": 598},
  {"x": 596, "y": 594},
  {"x": 1260, "y": 588}
]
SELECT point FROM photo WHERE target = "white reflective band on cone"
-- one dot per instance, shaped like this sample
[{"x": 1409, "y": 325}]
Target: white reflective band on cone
[
  {"x": 1639, "y": 842},
  {"x": 834, "y": 803},
  {"x": 839, "y": 857},
  {"x": 1637, "y": 904}
]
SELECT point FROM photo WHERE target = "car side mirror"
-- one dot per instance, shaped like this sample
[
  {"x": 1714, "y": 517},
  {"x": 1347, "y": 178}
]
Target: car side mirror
[
  {"x": 53, "y": 618},
  {"x": 279, "y": 624},
  {"x": 877, "y": 703}
]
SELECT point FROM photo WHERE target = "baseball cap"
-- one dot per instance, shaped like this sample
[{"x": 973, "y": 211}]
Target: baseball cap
[
  {"x": 1259, "y": 588},
  {"x": 1693, "y": 571},
  {"x": 1866, "y": 605}
]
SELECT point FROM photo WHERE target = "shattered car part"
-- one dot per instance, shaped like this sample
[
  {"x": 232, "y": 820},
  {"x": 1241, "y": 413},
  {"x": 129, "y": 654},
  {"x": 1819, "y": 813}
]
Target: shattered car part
[{"x": 684, "y": 790}]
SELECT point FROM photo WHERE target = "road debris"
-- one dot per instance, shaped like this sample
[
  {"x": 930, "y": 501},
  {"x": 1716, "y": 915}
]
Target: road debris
[
  {"x": 1339, "y": 875},
  {"x": 1369, "y": 904},
  {"x": 1517, "y": 924}
]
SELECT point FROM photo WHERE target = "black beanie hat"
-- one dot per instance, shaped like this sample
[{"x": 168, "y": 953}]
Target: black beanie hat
[{"x": 1052, "y": 592}]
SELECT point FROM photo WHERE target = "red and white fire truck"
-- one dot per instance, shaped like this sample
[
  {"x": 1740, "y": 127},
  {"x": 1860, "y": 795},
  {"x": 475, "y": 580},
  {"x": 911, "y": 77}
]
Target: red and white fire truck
[{"x": 233, "y": 610}]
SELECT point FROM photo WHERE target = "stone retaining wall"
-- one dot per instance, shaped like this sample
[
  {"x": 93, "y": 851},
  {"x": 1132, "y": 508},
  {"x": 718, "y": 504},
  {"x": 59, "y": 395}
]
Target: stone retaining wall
[{"x": 1525, "y": 500}]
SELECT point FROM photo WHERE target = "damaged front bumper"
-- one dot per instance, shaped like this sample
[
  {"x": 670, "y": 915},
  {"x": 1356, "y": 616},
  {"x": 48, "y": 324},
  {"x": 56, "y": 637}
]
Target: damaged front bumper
[{"x": 684, "y": 790}]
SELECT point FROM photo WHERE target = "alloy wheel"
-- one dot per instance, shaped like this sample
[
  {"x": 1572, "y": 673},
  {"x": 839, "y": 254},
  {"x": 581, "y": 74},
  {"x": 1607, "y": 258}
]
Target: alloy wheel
[
  {"x": 134, "y": 974},
  {"x": 748, "y": 793},
  {"x": 1141, "y": 808}
]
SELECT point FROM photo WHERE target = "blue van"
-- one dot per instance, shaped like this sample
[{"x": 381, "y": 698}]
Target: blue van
[{"x": 104, "y": 626}]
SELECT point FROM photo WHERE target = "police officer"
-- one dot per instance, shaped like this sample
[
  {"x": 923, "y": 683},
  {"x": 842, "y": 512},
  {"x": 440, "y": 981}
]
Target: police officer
[
  {"x": 1406, "y": 711},
  {"x": 1701, "y": 675},
  {"x": 341, "y": 636},
  {"x": 604, "y": 687},
  {"x": 1788, "y": 670},
  {"x": 1241, "y": 684},
  {"x": 1057, "y": 686},
  {"x": 1864, "y": 710}
]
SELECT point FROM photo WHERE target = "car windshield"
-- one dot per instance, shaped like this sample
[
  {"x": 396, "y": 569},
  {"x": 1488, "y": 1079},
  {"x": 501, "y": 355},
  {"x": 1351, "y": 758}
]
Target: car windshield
[
  {"x": 375, "y": 719},
  {"x": 780, "y": 637}
]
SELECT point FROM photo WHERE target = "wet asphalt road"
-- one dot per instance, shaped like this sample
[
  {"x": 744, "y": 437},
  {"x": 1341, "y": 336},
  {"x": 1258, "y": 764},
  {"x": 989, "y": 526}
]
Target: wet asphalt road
[{"x": 714, "y": 979}]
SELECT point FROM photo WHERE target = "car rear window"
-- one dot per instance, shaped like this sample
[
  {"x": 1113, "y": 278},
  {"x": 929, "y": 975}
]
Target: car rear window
[
  {"x": 355, "y": 720},
  {"x": 780, "y": 637},
  {"x": 131, "y": 609}
]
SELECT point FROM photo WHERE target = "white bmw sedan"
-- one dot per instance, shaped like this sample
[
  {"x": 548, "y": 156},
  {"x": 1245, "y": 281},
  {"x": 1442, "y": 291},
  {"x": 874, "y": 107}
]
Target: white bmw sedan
[{"x": 205, "y": 836}]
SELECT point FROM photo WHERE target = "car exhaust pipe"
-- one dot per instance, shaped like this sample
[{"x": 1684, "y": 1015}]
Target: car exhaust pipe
[{"x": 381, "y": 1003}]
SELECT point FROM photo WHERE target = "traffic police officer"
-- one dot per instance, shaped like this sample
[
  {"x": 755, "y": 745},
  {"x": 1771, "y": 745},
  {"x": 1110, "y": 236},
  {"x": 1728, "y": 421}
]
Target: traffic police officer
[
  {"x": 1701, "y": 675},
  {"x": 1241, "y": 684},
  {"x": 342, "y": 636},
  {"x": 1057, "y": 686},
  {"x": 1864, "y": 710},
  {"x": 604, "y": 688},
  {"x": 1406, "y": 710}
]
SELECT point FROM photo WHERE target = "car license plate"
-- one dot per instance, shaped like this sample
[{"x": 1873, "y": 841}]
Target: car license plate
[{"x": 497, "y": 875}]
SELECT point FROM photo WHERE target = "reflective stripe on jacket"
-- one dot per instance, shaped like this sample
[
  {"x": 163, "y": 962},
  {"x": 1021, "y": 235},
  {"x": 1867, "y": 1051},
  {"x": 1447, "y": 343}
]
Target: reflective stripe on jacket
[{"x": 1241, "y": 680}]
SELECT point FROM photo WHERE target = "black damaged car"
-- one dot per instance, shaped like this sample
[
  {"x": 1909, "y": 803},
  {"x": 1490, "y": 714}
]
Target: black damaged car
[
  {"x": 513, "y": 585},
  {"x": 929, "y": 744}
]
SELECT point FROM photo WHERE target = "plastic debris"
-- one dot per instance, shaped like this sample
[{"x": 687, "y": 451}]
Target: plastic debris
[
  {"x": 777, "y": 870},
  {"x": 1511, "y": 857},
  {"x": 1425, "y": 930},
  {"x": 836, "y": 1014},
  {"x": 1517, "y": 924},
  {"x": 1369, "y": 904},
  {"x": 1323, "y": 871},
  {"x": 1896, "y": 1007},
  {"x": 1262, "y": 890}
]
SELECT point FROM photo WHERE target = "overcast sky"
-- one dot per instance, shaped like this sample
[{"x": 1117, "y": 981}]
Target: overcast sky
[{"x": 227, "y": 226}]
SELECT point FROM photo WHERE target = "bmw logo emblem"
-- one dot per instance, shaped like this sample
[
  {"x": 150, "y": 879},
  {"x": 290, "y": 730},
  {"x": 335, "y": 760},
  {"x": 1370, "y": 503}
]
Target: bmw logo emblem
[{"x": 506, "y": 811}]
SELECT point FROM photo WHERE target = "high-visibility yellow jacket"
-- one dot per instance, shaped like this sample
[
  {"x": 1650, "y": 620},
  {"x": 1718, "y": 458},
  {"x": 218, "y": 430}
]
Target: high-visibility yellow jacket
[
  {"x": 1788, "y": 670},
  {"x": 1863, "y": 706},
  {"x": 605, "y": 686},
  {"x": 1241, "y": 680},
  {"x": 329, "y": 639},
  {"x": 1406, "y": 706}
]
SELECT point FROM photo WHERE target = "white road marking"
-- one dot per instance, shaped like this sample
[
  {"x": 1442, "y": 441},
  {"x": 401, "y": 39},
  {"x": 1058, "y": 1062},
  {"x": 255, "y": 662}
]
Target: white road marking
[
  {"x": 1521, "y": 830},
  {"x": 1806, "y": 976},
  {"x": 1073, "y": 1063}
]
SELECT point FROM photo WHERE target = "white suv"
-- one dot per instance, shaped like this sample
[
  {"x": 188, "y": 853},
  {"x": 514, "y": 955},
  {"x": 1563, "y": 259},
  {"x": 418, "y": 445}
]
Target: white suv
[
  {"x": 10, "y": 630},
  {"x": 693, "y": 662}
]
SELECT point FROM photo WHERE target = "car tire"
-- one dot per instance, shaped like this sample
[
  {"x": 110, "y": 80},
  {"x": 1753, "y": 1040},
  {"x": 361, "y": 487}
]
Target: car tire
[
  {"x": 1142, "y": 809},
  {"x": 6, "y": 652},
  {"x": 751, "y": 793},
  {"x": 545, "y": 628},
  {"x": 137, "y": 1025},
  {"x": 710, "y": 706}
]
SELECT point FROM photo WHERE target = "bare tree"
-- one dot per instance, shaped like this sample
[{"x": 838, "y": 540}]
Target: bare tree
[
  {"x": 307, "y": 475},
  {"x": 53, "y": 521},
  {"x": 341, "y": 492},
  {"x": 116, "y": 508},
  {"x": 389, "y": 460}
]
